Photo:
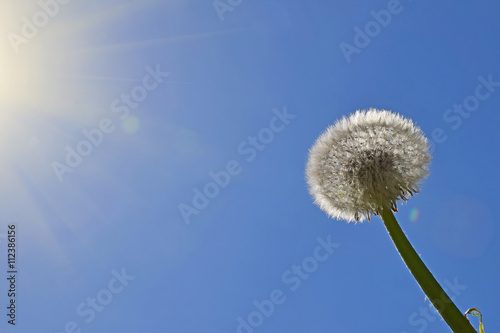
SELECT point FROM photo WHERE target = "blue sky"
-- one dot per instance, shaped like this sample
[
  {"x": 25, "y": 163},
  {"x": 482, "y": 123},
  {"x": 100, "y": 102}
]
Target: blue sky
[{"x": 114, "y": 114}]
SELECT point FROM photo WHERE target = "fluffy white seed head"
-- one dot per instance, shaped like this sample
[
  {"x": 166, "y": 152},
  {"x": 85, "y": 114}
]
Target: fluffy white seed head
[{"x": 367, "y": 161}]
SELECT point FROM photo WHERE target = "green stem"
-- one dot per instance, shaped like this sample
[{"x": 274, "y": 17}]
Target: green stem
[{"x": 448, "y": 310}]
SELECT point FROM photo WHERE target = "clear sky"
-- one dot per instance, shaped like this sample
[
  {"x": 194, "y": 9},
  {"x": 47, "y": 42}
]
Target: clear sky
[{"x": 154, "y": 154}]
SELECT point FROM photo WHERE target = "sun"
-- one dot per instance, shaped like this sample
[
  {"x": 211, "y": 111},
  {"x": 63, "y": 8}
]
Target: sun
[
  {"x": 55, "y": 84},
  {"x": 19, "y": 76},
  {"x": 39, "y": 70},
  {"x": 21, "y": 66},
  {"x": 24, "y": 78}
]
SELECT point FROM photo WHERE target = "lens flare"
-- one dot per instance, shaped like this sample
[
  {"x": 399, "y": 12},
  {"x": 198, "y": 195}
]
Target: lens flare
[
  {"x": 414, "y": 214},
  {"x": 130, "y": 125}
]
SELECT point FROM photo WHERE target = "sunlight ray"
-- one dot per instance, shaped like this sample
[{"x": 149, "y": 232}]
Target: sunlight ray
[
  {"x": 104, "y": 78},
  {"x": 153, "y": 42}
]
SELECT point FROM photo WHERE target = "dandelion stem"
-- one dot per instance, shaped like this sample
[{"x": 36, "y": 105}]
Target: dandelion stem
[{"x": 448, "y": 310}]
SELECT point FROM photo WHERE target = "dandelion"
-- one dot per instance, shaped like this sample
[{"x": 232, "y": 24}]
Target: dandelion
[
  {"x": 363, "y": 165},
  {"x": 366, "y": 161}
]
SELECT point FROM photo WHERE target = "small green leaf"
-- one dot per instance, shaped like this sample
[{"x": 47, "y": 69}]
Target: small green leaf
[{"x": 477, "y": 313}]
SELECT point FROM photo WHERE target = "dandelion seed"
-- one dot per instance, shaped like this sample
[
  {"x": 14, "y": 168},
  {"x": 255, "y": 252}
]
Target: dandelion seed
[
  {"x": 363, "y": 165},
  {"x": 365, "y": 162}
]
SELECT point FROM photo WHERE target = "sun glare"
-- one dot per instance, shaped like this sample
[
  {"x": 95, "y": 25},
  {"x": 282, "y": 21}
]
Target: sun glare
[
  {"x": 19, "y": 77},
  {"x": 59, "y": 74},
  {"x": 36, "y": 87}
]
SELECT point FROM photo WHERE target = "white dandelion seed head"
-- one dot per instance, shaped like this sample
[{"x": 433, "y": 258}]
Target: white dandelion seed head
[{"x": 365, "y": 162}]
